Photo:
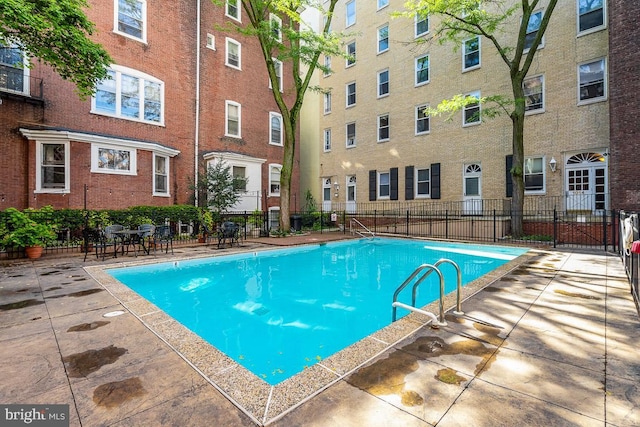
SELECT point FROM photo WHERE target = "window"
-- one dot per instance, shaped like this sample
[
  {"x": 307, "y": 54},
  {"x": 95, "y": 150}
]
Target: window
[
  {"x": 52, "y": 174},
  {"x": 422, "y": 70},
  {"x": 274, "y": 179},
  {"x": 592, "y": 81},
  {"x": 131, "y": 18},
  {"x": 240, "y": 175},
  {"x": 532, "y": 30},
  {"x": 471, "y": 54},
  {"x": 383, "y": 39},
  {"x": 351, "y": 13},
  {"x": 384, "y": 185},
  {"x": 233, "y": 10},
  {"x": 160, "y": 175},
  {"x": 277, "y": 65},
  {"x": 423, "y": 182},
  {"x": 326, "y": 189},
  {"x": 211, "y": 41},
  {"x": 471, "y": 112},
  {"x": 351, "y": 94},
  {"x": 234, "y": 54},
  {"x": 382, "y": 3},
  {"x": 233, "y": 119},
  {"x": 131, "y": 95},
  {"x": 421, "y": 25},
  {"x": 422, "y": 119},
  {"x": 327, "y": 140},
  {"x": 327, "y": 66},
  {"x": 113, "y": 160},
  {"x": 351, "y": 135},
  {"x": 276, "y": 26},
  {"x": 591, "y": 15},
  {"x": 13, "y": 74},
  {"x": 327, "y": 102},
  {"x": 383, "y": 128},
  {"x": 534, "y": 94},
  {"x": 534, "y": 175},
  {"x": 275, "y": 128},
  {"x": 351, "y": 53},
  {"x": 383, "y": 83}
]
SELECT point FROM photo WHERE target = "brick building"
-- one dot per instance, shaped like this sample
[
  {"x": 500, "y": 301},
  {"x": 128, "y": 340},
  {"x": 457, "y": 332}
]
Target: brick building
[
  {"x": 183, "y": 92},
  {"x": 377, "y": 145}
]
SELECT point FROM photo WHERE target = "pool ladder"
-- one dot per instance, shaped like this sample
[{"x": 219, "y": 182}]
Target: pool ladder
[
  {"x": 355, "y": 230},
  {"x": 426, "y": 270}
]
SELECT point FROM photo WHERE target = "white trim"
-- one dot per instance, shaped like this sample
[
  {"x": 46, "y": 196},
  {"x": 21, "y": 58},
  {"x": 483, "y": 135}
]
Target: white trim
[
  {"x": 116, "y": 10},
  {"x": 279, "y": 167},
  {"x": 273, "y": 114},
  {"x": 382, "y": 95},
  {"x": 605, "y": 77},
  {"x": 355, "y": 134},
  {"x": 211, "y": 41},
  {"x": 464, "y": 54},
  {"x": 415, "y": 26},
  {"x": 415, "y": 70},
  {"x": 541, "y": 109},
  {"x": 273, "y": 17},
  {"x": 326, "y": 147},
  {"x": 415, "y": 122},
  {"x": 355, "y": 93},
  {"x": 167, "y": 173},
  {"x": 475, "y": 94},
  {"x": 346, "y": 14},
  {"x": 541, "y": 46},
  {"x": 379, "y": 128},
  {"x": 133, "y": 155},
  {"x": 378, "y": 39},
  {"x": 544, "y": 176},
  {"x": 227, "y": 103},
  {"x": 238, "y": 7},
  {"x": 67, "y": 167},
  {"x": 227, "y": 41},
  {"x": 596, "y": 28}
]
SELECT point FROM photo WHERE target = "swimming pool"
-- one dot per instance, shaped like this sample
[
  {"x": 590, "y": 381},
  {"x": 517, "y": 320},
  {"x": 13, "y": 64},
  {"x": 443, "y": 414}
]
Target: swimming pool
[{"x": 278, "y": 312}]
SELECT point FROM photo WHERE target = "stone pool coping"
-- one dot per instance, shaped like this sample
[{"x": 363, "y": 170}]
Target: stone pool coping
[{"x": 262, "y": 402}]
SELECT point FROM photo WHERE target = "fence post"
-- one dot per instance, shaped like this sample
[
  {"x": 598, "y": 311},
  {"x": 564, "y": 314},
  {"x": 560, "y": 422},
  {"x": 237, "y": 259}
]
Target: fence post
[
  {"x": 555, "y": 227},
  {"x": 494, "y": 226},
  {"x": 344, "y": 221},
  {"x": 604, "y": 228},
  {"x": 375, "y": 220},
  {"x": 407, "y": 222},
  {"x": 446, "y": 224}
]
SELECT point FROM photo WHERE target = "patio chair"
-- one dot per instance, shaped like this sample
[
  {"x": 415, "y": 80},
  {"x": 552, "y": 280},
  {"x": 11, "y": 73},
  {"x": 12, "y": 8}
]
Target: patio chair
[
  {"x": 145, "y": 236},
  {"x": 163, "y": 237},
  {"x": 228, "y": 232},
  {"x": 96, "y": 240}
]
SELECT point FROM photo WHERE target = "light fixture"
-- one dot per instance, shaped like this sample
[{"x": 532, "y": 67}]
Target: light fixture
[{"x": 553, "y": 164}]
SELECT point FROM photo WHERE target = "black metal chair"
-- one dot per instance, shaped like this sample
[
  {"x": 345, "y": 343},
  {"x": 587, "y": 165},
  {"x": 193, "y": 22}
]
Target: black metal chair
[
  {"x": 228, "y": 232},
  {"x": 97, "y": 240},
  {"x": 163, "y": 237}
]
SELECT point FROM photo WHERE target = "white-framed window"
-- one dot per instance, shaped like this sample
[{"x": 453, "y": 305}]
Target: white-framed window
[
  {"x": 382, "y": 4},
  {"x": 274, "y": 179},
  {"x": 383, "y": 127},
  {"x": 383, "y": 83},
  {"x": 534, "y": 175},
  {"x": 232, "y": 9},
  {"x": 233, "y": 57},
  {"x": 532, "y": 30},
  {"x": 52, "y": 170},
  {"x": 384, "y": 185},
  {"x": 591, "y": 15},
  {"x": 351, "y": 54},
  {"x": 327, "y": 102},
  {"x": 326, "y": 189},
  {"x": 471, "y": 112},
  {"x": 327, "y": 139},
  {"x": 533, "y": 94},
  {"x": 421, "y": 25},
  {"x": 276, "y": 26},
  {"x": 14, "y": 70},
  {"x": 383, "y": 38},
  {"x": 592, "y": 77},
  {"x": 131, "y": 95},
  {"x": 160, "y": 175},
  {"x": 277, "y": 65},
  {"x": 423, "y": 120},
  {"x": 211, "y": 41},
  {"x": 275, "y": 128},
  {"x": 471, "y": 54},
  {"x": 327, "y": 65},
  {"x": 130, "y": 19},
  {"x": 239, "y": 172},
  {"x": 350, "y": 13},
  {"x": 422, "y": 183},
  {"x": 422, "y": 70},
  {"x": 113, "y": 160},
  {"x": 351, "y": 134},
  {"x": 233, "y": 119},
  {"x": 351, "y": 94}
]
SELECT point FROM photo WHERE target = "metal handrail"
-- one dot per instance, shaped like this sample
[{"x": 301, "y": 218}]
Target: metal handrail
[
  {"x": 363, "y": 226},
  {"x": 458, "y": 311},
  {"x": 437, "y": 321}
]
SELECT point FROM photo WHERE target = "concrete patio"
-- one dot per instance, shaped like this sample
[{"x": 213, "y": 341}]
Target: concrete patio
[{"x": 554, "y": 342}]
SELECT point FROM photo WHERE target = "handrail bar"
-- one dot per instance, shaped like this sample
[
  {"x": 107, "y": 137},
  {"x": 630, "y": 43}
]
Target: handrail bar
[
  {"x": 363, "y": 226},
  {"x": 458, "y": 311},
  {"x": 440, "y": 321}
]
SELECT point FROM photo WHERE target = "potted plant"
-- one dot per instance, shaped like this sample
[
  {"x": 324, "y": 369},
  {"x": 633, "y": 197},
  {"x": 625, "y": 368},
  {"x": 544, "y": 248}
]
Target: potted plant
[{"x": 24, "y": 232}]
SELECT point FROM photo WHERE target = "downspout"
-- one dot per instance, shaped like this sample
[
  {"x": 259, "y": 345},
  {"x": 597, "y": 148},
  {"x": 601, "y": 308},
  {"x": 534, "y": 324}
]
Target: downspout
[{"x": 197, "y": 106}]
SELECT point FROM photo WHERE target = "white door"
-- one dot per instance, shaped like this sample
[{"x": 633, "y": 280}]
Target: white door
[
  {"x": 586, "y": 181},
  {"x": 351, "y": 194},
  {"x": 472, "y": 188},
  {"x": 326, "y": 194}
]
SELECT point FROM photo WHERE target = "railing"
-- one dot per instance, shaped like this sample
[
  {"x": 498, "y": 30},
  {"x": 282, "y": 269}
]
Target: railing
[
  {"x": 15, "y": 83},
  {"x": 355, "y": 230}
]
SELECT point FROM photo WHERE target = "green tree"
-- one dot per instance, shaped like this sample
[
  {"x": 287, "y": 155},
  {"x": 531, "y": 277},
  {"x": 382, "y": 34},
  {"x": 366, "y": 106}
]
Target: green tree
[
  {"x": 223, "y": 189},
  {"x": 56, "y": 32},
  {"x": 288, "y": 39},
  {"x": 511, "y": 28}
]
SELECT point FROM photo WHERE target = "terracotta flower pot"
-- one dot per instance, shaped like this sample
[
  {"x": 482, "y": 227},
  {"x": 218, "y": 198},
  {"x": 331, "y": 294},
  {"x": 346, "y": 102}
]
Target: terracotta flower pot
[{"x": 33, "y": 252}]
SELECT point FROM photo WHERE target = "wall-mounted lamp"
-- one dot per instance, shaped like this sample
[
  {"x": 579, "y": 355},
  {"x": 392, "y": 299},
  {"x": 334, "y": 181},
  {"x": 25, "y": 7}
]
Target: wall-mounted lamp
[
  {"x": 336, "y": 185},
  {"x": 553, "y": 164}
]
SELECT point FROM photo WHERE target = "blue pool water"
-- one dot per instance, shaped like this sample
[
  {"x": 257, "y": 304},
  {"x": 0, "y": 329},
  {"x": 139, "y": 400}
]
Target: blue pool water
[{"x": 276, "y": 312}]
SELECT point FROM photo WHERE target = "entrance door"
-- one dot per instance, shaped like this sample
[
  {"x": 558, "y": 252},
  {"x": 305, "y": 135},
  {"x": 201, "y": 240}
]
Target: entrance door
[
  {"x": 326, "y": 194},
  {"x": 472, "y": 198},
  {"x": 351, "y": 194},
  {"x": 586, "y": 180}
]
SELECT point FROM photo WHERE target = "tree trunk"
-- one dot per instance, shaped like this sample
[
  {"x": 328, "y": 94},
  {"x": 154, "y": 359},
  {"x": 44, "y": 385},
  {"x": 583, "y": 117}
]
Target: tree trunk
[
  {"x": 517, "y": 169},
  {"x": 286, "y": 173}
]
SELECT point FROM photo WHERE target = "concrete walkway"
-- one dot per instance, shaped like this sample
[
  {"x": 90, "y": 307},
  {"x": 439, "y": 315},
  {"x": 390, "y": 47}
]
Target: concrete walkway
[{"x": 552, "y": 343}]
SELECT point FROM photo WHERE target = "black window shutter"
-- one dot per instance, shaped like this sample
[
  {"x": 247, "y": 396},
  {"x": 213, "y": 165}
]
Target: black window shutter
[
  {"x": 435, "y": 180},
  {"x": 509, "y": 179},
  {"x": 393, "y": 194},
  {"x": 408, "y": 183},
  {"x": 373, "y": 191}
]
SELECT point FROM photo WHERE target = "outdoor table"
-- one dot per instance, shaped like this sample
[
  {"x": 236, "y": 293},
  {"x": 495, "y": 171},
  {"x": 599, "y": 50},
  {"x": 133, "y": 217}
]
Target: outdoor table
[{"x": 131, "y": 237}]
